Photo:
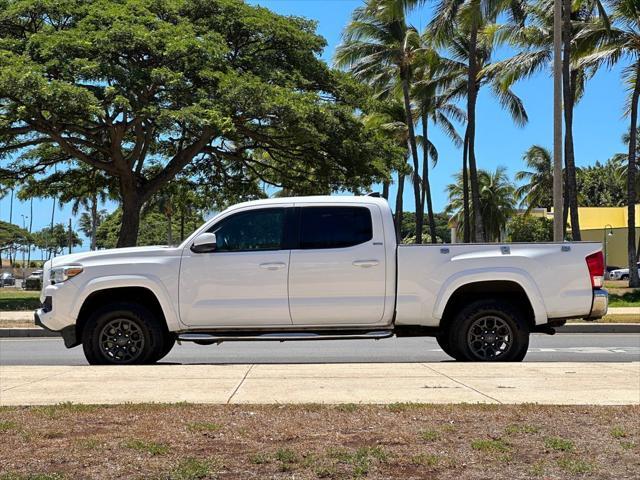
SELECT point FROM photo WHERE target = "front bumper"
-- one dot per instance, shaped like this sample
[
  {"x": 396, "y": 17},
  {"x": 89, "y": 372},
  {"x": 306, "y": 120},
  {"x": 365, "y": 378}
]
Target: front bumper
[
  {"x": 67, "y": 333},
  {"x": 599, "y": 304}
]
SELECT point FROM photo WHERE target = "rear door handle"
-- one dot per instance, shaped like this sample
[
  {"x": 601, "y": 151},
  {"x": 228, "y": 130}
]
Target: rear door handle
[
  {"x": 273, "y": 265},
  {"x": 365, "y": 263}
]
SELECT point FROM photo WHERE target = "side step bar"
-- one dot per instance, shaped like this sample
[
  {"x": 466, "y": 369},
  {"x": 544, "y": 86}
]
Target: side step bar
[{"x": 281, "y": 336}]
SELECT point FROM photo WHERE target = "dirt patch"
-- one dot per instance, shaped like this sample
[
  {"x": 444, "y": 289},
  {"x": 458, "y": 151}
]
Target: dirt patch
[{"x": 343, "y": 441}]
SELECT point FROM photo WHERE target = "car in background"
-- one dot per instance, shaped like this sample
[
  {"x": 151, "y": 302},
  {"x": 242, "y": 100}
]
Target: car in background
[
  {"x": 33, "y": 281},
  {"x": 7, "y": 280},
  {"x": 620, "y": 273}
]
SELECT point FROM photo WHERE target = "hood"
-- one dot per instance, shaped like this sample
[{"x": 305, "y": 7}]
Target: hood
[{"x": 112, "y": 253}]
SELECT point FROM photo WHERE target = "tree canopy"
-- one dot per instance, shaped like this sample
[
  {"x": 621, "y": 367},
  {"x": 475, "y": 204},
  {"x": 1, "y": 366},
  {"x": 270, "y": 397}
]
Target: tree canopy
[{"x": 141, "y": 89}]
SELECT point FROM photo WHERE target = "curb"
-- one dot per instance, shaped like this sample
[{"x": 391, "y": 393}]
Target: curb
[
  {"x": 26, "y": 333},
  {"x": 599, "y": 328},
  {"x": 567, "y": 328}
]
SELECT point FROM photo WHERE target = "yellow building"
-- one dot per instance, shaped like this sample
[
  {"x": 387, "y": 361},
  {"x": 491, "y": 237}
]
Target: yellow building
[{"x": 608, "y": 225}]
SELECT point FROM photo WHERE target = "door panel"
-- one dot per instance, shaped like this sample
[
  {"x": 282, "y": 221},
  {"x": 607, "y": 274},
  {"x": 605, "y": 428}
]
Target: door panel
[
  {"x": 244, "y": 282},
  {"x": 344, "y": 285}
]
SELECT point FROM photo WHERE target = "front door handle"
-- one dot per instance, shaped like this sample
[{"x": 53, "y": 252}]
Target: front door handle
[
  {"x": 273, "y": 265},
  {"x": 365, "y": 263}
]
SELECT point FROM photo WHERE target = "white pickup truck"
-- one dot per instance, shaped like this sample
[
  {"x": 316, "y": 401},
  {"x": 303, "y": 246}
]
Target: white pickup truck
[{"x": 317, "y": 268}]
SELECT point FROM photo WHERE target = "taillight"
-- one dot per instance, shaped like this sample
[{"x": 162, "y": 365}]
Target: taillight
[{"x": 595, "y": 263}]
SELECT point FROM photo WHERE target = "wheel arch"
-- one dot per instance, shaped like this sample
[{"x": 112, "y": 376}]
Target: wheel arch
[
  {"x": 464, "y": 292},
  {"x": 132, "y": 290}
]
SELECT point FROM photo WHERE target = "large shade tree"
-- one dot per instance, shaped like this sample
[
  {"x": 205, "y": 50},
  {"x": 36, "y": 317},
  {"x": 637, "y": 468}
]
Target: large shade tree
[{"x": 122, "y": 85}]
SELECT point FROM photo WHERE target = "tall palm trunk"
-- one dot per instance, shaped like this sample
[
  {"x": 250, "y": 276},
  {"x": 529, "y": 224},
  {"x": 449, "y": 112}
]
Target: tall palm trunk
[
  {"x": 30, "y": 229},
  {"x": 426, "y": 186},
  {"x": 632, "y": 253},
  {"x": 399, "y": 206},
  {"x": 94, "y": 219},
  {"x": 568, "y": 83},
  {"x": 472, "y": 95},
  {"x": 466, "y": 221},
  {"x": 414, "y": 155},
  {"x": 51, "y": 248}
]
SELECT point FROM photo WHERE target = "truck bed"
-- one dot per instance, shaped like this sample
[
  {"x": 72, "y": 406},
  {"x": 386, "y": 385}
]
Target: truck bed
[{"x": 554, "y": 276}]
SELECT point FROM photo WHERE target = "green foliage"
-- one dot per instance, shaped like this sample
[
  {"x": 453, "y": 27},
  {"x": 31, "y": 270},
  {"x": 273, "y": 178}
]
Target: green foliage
[
  {"x": 497, "y": 201},
  {"x": 55, "y": 240},
  {"x": 153, "y": 229},
  {"x": 408, "y": 228},
  {"x": 602, "y": 185},
  {"x": 12, "y": 236},
  {"x": 527, "y": 228}
]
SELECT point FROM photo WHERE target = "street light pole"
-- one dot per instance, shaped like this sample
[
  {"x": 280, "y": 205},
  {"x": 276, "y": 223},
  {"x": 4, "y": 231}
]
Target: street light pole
[
  {"x": 605, "y": 239},
  {"x": 558, "y": 233}
]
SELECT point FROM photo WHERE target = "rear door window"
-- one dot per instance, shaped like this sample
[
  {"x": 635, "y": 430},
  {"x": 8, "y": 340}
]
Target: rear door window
[{"x": 334, "y": 227}]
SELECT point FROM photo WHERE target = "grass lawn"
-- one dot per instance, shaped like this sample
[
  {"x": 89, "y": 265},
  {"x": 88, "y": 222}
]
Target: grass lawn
[
  {"x": 620, "y": 295},
  {"x": 184, "y": 441},
  {"x": 18, "y": 299}
]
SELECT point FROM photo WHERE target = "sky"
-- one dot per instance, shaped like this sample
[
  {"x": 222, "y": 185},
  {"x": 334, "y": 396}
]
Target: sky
[{"x": 598, "y": 118}]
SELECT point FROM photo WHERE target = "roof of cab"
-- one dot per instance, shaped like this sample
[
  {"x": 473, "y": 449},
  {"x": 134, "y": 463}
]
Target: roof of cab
[{"x": 347, "y": 199}]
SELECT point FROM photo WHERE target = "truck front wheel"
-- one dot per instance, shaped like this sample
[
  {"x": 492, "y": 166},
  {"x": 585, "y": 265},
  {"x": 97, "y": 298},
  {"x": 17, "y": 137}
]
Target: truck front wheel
[
  {"x": 489, "y": 331},
  {"x": 122, "y": 334}
]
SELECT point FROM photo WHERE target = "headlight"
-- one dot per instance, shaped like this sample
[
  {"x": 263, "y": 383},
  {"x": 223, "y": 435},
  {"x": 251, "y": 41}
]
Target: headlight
[{"x": 61, "y": 274}]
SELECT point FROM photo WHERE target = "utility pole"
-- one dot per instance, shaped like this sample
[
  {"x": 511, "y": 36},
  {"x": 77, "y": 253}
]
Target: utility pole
[{"x": 558, "y": 204}]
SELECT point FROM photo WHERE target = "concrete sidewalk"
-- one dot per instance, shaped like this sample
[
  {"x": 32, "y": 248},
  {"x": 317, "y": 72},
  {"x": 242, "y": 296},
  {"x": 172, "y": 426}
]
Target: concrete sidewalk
[{"x": 545, "y": 383}]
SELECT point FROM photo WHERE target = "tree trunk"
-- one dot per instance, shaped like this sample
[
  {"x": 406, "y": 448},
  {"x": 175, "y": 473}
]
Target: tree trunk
[
  {"x": 472, "y": 94},
  {"x": 385, "y": 190},
  {"x": 466, "y": 221},
  {"x": 568, "y": 81},
  {"x": 632, "y": 253},
  {"x": 399, "y": 206},
  {"x": 94, "y": 219},
  {"x": 426, "y": 187},
  {"x": 181, "y": 224},
  {"x": 169, "y": 231},
  {"x": 414, "y": 155},
  {"x": 131, "y": 205}
]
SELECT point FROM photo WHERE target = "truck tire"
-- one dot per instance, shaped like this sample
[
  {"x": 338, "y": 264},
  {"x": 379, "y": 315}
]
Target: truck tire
[
  {"x": 489, "y": 331},
  {"x": 443, "y": 343},
  {"x": 169, "y": 342},
  {"x": 123, "y": 334}
]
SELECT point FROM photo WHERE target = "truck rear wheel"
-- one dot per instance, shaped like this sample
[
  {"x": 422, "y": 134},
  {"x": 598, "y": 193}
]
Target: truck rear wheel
[
  {"x": 123, "y": 334},
  {"x": 489, "y": 331}
]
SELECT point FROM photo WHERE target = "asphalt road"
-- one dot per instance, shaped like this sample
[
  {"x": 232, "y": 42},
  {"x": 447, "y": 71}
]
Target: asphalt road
[{"x": 543, "y": 348}]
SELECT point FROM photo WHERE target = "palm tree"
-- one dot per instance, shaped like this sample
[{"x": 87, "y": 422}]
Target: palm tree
[
  {"x": 537, "y": 190},
  {"x": 467, "y": 29},
  {"x": 379, "y": 44},
  {"x": 497, "y": 201},
  {"x": 536, "y": 40},
  {"x": 389, "y": 119},
  {"x": 435, "y": 102},
  {"x": 612, "y": 43}
]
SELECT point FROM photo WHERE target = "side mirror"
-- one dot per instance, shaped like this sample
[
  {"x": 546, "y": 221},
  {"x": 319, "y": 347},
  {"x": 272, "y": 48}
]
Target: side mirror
[{"x": 204, "y": 243}]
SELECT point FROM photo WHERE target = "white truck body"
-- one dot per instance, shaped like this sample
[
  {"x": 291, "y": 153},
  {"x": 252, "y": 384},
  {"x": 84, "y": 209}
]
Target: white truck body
[{"x": 301, "y": 283}]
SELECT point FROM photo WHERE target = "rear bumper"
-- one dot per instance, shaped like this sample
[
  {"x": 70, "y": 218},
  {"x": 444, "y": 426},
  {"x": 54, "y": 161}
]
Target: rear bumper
[{"x": 599, "y": 305}]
